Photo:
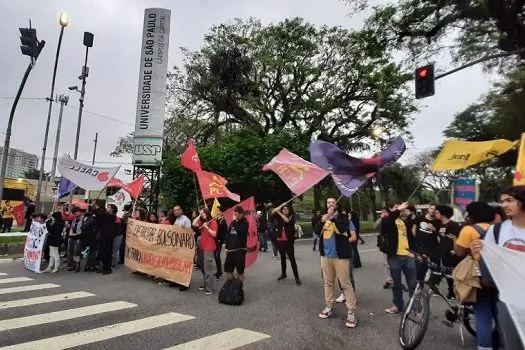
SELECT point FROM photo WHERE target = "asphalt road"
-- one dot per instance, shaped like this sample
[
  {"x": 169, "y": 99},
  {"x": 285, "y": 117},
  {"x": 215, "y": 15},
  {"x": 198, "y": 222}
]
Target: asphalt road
[{"x": 275, "y": 315}]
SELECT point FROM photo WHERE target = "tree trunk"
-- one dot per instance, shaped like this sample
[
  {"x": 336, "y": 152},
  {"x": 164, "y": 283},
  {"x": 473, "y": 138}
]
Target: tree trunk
[{"x": 317, "y": 197}]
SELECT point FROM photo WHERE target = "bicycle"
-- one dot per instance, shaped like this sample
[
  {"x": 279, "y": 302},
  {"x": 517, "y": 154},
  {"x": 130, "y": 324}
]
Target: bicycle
[{"x": 418, "y": 309}]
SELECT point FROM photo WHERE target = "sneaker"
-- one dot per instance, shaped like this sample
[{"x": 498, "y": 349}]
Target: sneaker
[
  {"x": 326, "y": 313},
  {"x": 393, "y": 311},
  {"x": 48, "y": 270},
  {"x": 275, "y": 257},
  {"x": 387, "y": 285},
  {"x": 451, "y": 297},
  {"x": 54, "y": 271},
  {"x": 201, "y": 288},
  {"x": 297, "y": 281},
  {"x": 351, "y": 320},
  {"x": 340, "y": 299},
  {"x": 208, "y": 292},
  {"x": 280, "y": 278}
]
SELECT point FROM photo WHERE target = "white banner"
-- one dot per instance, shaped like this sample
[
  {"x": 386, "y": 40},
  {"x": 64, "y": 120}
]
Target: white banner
[
  {"x": 34, "y": 246},
  {"x": 151, "y": 97},
  {"x": 120, "y": 199},
  {"x": 506, "y": 268},
  {"x": 86, "y": 176}
]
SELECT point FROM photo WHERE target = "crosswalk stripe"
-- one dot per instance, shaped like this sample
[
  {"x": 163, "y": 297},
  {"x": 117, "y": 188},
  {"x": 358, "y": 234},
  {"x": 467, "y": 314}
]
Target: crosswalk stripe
[
  {"x": 43, "y": 300},
  {"x": 27, "y": 288},
  {"x": 14, "y": 279},
  {"x": 69, "y": 314},
  {"x": 228, "y": 340},
  {"x": 103, "y": 333},
  {"x": 3, "y": 274}
]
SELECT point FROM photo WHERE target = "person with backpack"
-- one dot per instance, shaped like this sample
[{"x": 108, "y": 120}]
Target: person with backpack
[
  {"x": 285, "y": 223},
  {"x": 479, "y": 218},
  {"x": 235, "y": 246},
  {"x": 509, "y": 234}
]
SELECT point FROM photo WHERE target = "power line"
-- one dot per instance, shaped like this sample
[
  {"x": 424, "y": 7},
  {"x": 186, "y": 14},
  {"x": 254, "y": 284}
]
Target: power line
[{"x": 23, "y": 98}]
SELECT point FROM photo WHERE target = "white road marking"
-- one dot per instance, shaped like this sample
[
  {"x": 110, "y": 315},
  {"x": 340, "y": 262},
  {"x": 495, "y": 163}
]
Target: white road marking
[
  {"x": 27, "y": 288},
  {"x": 223, "y": 341},
  {"x": 368, "y": 250},
  {"x": 3, "y": 274},
  {"x": 103, "y": 333},
  {"x": 6, "y": 261},
  {"x": 14, "y": 279},
  {"x": 69, "y": 314},
  {"x": 43, "y": 300}
]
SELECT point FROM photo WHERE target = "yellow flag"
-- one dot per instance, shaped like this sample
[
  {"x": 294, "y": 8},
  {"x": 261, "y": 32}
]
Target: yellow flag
[
  {"x": 457, "y": 154},
  {"x": 519, "y": 175},
  {"x": 215, "y": 208}
]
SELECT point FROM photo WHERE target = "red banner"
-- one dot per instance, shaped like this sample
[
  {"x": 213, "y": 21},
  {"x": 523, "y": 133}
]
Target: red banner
[
  {"x": 253, "y": 237},
  {"x": 190, "y": 158},
  {"x": 134, "y": 188},
  {"x": 18, "y": 214},
  {"x": 214, "y": 186},
  {"x": 298, "y": 174}
]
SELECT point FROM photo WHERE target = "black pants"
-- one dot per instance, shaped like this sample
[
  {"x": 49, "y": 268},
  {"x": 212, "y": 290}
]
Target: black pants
[
  {"x": 91, "y": 260},
  {"x": 8, "y": 223},
  {"x": 27, "y": 226},
  {"x": 217, "y": 256},
  {"x": 356, "y": 259},
  {"x": 105, "y": 254},
  {"x": 421, "y": 269},
  {"x": 122, "y": 249},
  {"x": 450, "y": 261},
  {"x": 287, "y": 248}
]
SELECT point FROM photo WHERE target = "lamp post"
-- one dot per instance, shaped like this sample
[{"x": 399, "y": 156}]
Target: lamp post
[
  {"x": 63, "y": 99},
  {"x": 63, "y": 21}
]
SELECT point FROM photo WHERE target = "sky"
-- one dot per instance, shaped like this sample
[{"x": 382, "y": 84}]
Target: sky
[{"x": 111, "y": 89}]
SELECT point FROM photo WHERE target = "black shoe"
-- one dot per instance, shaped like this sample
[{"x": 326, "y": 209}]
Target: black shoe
[
  {"x": 387, "y": 285},
  {"x": 71, "y": 268},
  {"x": 107, "y": 272},
  {"x": 77, "y": 268},
  {"x": 297, "y": 281},
  {"x": 280, "y": 278}
]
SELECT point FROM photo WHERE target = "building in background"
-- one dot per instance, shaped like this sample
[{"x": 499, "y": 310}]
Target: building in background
[{"x": 18, "y": 162}]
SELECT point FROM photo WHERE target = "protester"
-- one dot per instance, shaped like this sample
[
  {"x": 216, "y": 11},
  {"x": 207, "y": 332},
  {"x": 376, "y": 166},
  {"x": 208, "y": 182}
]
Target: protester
[
  {"x": 30, "y": 210},
  {"x": 316, "y": 219},
  {"x": 152, "y": 218},
  {"x": 74, "y": 243},
  {"x": 55, "y": 225},
  {"x": 139, "y": 214},
  {"x": 180, "y": 218},
  {"x": 427, "y": 242},
  {"x": 7, "y": 216},
  {"x": 222, "y": 230},
  {"x": 170, "y": 218},
  {"x": 109, "y": 229},
  {"x": 272, "y": 231},
  {"x": 356, "y": 258},
  {"x": 235, "y": 245},
  {"x": 342, "y": 298},
  {"x": 118, "y": 255},
  {"x": 354, "y": 217},
  {"x": 89, "y": 240},
  {"x": 448, "y": 233},
  {"x": 336, "y": 253},
  {"x": 398, "y": 241},
  {"x": 162, "y": 216},
  {"x": 208, "y": 232},
  {"x": 285, "y": 224},
  {"x": 378, "y": 224},
  {"x": 262, "y": 228}
]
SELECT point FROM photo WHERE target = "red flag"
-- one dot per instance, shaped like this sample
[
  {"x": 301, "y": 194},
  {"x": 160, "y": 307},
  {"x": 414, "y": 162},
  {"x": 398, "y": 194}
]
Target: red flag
[
  {"x": 253, "y": 236},
  {"x": 190, "y": 158},
  {"x": 298, "y": 174},
  {"x": 134, "y": 188},
  {"x": 214, "y": 186},
  {"x": 18, "y": 214}
]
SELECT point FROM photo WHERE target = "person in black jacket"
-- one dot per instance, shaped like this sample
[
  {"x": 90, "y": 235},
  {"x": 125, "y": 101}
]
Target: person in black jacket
[
  {"x": 285, "y": 224},
  {"x": 316, "y": 219},
  {"x": 335, "y": 240},
  {"x": 109, "y": 227},
  {"x": 220, "y": 237},
  {"x": 236, "y": 244},
  {"x": 30, "y": 210},
  {"x": 55, "y": 225},
  {"x": 398, "y": 240}
]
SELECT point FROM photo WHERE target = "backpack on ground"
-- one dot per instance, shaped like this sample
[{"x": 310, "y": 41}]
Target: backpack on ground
[{"x": 231, "y": 293}]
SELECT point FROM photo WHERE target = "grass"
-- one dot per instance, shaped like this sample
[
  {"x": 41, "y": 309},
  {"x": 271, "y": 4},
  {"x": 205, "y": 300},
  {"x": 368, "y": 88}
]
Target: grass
[{"x": 11, "y": 240}]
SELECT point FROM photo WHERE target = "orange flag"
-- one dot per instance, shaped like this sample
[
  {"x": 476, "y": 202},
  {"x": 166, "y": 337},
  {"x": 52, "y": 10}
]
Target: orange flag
[
  {"x": 519, "y": 175},
  {"x": 214, "y": 186}
]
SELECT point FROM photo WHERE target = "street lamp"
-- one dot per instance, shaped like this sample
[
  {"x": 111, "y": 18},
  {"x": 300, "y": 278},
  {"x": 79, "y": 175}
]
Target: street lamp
[{"x": 63, "y": 21}]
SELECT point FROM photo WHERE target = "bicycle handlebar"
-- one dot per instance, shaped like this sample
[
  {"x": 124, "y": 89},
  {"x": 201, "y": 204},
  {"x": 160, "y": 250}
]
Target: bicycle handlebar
[{"x": 432, "y": 266}]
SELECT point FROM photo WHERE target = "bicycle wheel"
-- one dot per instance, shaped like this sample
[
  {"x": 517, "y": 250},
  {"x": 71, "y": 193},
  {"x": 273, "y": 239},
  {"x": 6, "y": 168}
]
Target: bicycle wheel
[
  {"x": 469, "y": 320},
  {"x": 414, "y": 322}
]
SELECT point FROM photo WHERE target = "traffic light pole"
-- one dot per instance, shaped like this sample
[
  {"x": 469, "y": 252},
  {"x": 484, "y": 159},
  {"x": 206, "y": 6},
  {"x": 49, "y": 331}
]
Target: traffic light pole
[{"x": 5, "y": 151}]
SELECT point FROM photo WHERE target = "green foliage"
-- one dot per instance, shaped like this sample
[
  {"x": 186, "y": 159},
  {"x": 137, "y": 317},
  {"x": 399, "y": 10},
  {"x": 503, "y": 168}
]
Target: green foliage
[
  {"x": 239, "y": 157},
  {"x": 32, "y": 174}
]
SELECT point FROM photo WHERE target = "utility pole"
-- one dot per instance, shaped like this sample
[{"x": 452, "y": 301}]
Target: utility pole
[
  {"x": 95, "y": 148},
  {"x": 30, "y": 47},
  {"x": 63, "y": 99}
]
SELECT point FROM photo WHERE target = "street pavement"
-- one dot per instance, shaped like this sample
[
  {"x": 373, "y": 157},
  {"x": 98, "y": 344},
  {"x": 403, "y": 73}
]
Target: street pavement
[{"x": 123, "y": 311}]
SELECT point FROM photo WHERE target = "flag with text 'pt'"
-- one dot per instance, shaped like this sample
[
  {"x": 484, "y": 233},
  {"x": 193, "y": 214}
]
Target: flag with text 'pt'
[
  {"x": 190, "y": 158},
  {"x": 134, "y": 188},
  {"x": 252, "y": 243},
  {"x": 298, "y": 174},
  {"x": 458, "y": 154},
  {"x": 519, "y": 175},
  {"x": 214, "y": 186},
  {"x": 86, "y": 176}
]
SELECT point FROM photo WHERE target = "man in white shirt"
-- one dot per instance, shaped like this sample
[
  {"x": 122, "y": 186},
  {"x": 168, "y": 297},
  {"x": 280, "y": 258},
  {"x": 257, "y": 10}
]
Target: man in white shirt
[{"x": 181, "y": 219}]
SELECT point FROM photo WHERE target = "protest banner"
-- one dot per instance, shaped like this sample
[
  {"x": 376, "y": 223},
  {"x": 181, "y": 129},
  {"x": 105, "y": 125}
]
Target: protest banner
[
  {"x": 464, "y": 192},
  {"x": 164, "y": 251},
  {"x": 34, "y": 246}
]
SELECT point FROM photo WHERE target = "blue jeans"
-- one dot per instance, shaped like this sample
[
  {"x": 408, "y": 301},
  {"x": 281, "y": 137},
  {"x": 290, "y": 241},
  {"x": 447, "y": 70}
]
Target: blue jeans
[
  {"x": 406, "y": 265},
  {"x": 263, "y": 240},
  {"x": 486, "y": 318},
  {"x": 115, "y": 256}
]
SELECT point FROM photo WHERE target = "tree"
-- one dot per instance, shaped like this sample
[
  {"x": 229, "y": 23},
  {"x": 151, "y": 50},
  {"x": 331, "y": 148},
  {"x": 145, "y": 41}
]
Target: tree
[
  {"x": 325, "y": 81},
  {"x": 33, "y": 174},
  {"x": 468, "y": 29}
]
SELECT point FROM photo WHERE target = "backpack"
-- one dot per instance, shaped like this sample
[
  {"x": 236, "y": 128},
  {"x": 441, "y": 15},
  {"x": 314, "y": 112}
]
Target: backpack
[
  {"x": 231, "y": 292},
  {"x": 486, "y": 278}
]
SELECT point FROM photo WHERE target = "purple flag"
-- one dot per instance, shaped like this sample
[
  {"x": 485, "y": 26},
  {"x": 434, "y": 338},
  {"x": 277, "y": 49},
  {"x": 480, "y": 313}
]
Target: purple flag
[
  {"x": 65, "y": 187},
  {"x": 350, "y": 173}
]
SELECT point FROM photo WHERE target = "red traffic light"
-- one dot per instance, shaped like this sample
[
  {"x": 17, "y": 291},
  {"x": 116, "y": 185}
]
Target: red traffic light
[{"x": 422, "y": 72}]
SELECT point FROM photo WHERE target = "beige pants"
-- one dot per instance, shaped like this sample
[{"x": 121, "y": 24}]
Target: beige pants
[
  {"x": 340, "y": 268},
  {"x": 387, "y": 269}
]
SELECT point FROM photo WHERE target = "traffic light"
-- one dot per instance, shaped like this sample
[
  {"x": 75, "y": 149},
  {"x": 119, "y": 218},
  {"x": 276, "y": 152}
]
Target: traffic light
[
  {"x": 30, "y": 45},
  {"x": 425, "y": 81}
]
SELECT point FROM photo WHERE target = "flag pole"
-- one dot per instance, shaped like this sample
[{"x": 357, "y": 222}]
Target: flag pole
[
  {"x": 290, "y": 200},
  {"x": 196, "y": 190},
  {"x": 417, "y": 187}
]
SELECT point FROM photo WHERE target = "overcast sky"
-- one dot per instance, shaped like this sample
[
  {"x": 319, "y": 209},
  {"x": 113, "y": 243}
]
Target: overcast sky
[{"x": 114, "y": 63}]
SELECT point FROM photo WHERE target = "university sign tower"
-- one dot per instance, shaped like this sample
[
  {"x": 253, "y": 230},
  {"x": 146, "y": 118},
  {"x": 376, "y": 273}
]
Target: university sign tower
[{"x": 151, "y": 101}]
